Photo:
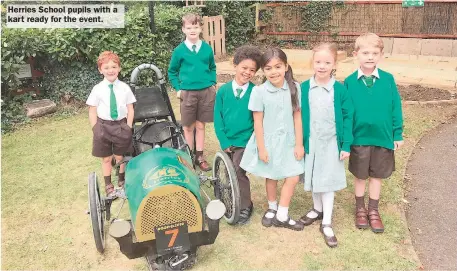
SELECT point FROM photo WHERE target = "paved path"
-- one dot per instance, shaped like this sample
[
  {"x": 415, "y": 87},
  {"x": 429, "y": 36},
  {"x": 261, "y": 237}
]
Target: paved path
[{"x": 432, "y": 216}]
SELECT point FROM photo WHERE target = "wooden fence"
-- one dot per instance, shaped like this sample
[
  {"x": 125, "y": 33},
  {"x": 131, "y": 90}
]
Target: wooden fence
[
  {"x": 214, "y": 33},
  {"x": 436, "y": 19}
]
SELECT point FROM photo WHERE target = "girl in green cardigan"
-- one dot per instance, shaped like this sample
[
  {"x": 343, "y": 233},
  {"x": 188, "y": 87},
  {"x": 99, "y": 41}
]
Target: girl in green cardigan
[{"x": 327, "y": 134}]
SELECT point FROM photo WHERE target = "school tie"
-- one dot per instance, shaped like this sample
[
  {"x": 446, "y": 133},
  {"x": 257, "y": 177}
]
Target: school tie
[
  {"x": 368, "y": 80},
  {"x": 238, "y": 93},
  {"x": 194, "y": 48},
  {"x": 112, "y": 103}
]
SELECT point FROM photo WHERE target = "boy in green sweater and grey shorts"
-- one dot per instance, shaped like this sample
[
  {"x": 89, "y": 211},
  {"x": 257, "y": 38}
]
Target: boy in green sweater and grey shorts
[
  {"x": 233, "y": 121},
  {"x": 192, "y": 73},
  {"x": 377, "y": 128}
]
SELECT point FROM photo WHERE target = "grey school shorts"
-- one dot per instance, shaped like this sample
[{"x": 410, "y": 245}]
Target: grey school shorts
[
  {"x": 371, "y": 161},
  {"x": 111, "y": 137},
  {"x": 197, "y": 105}
]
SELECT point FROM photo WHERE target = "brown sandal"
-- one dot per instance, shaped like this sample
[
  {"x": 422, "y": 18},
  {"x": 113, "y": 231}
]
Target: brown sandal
[
  {"x": 110, "y": 191},
  {"x": 202, "y": 164},
  {"x": 361, "y": 218},
  {"x": 375, "y": 221}
]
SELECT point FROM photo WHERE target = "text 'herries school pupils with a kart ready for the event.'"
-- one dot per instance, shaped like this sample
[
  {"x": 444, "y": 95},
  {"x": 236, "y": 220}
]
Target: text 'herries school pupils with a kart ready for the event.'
[{"x": 278, "y": 130}]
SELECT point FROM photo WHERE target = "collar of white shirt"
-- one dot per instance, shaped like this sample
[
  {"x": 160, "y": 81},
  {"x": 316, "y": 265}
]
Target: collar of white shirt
[
  {"x": 107, "y": 83},
  {"x": 244, "y": 87},
  {"x": 327, "y": 87},
  {"x": 375, "y": 73},
  {"x": 189, "y": 45}
]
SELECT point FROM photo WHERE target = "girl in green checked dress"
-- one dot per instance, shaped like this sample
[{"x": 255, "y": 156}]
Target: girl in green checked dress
[
  {"x": 275, "y": 150},
  {"x": 327, "y": 132}
]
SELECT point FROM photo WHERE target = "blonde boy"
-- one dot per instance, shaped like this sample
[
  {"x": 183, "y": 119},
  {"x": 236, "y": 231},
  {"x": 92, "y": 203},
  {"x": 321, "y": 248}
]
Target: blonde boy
[
  {"x": 377, "y": 129},
  {"x": 192, "y": 73}
]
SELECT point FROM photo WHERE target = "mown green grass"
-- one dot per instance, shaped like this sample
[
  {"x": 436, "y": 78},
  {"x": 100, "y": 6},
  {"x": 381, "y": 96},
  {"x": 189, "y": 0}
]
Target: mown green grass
[{"x": 45, "y": 226}]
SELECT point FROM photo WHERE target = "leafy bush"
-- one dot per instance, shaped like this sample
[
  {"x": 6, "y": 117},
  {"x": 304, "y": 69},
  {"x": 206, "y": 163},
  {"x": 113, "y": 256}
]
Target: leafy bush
[
  {"x": 67, "y": 82},
  {"x": 13, "y": 112}
]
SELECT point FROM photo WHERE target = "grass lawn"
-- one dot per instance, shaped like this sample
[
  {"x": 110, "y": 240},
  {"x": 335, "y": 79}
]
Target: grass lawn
[{"x": 45, "y": 226}]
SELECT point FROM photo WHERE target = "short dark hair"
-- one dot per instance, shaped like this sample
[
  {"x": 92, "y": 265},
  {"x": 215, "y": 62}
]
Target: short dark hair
[{"x": 248, "y": 52}]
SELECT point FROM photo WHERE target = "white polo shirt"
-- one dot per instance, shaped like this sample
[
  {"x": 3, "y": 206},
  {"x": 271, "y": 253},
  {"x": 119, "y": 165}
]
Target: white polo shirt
[{"x": 100, "y": 97}]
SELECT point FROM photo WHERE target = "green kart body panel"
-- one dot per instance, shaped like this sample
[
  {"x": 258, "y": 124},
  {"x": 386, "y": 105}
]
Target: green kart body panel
[{"x": 156, "y": 168}]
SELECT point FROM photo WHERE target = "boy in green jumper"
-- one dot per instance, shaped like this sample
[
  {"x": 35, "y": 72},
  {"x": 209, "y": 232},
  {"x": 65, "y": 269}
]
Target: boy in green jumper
[
  {"x": 377, "y": 129},
  {"x": 192, "y": 73},
  {"x": 233, "y": 120}
]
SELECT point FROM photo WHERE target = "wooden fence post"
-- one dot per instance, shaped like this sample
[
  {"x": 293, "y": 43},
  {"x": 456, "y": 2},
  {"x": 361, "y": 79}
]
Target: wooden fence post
[{"x": 214, "y": 33}]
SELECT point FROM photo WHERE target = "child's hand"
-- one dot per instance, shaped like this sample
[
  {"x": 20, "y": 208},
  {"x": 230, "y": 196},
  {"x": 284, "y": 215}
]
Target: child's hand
[
  {"x": 178, "y": 94},
  {"x": 299, "y": 152},
  {"x": 228, "y": 150},
  {"x": 398, "y": 144},
  {"x": 344, "y": 155},
  {"x": 263, "y": 155}
]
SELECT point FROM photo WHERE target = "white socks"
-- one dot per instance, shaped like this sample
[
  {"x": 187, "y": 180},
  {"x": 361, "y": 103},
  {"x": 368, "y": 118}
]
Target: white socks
[
  {"x": 327, "y": 204},
  {"x": 271, "y": 205},
  {"x": 283, "y": 214},
  {"x": 323, "y": 202},
  {"x": 317, "y": 201}
]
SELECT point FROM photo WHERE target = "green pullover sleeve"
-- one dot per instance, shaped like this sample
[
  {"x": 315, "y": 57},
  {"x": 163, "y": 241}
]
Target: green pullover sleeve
[
  {"x": 397, "y": 113},
  {"x": 212, "y": 68},
  {"x": 219, "y": 122},
  {"x": 173, "y": 70},
  {"x": 348, "y": 115}
]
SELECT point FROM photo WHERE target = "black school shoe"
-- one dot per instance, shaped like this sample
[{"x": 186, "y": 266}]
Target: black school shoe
[
  {"x": 245, "y": 215},
  {"x": 267, "y": 222},
  {"x": 297, "y": 227}
]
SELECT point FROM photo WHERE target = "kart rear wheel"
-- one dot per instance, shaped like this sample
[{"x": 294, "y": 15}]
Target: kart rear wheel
[
  {"x": 97, "y": 212},
  {"x": 226, "y": 187}
]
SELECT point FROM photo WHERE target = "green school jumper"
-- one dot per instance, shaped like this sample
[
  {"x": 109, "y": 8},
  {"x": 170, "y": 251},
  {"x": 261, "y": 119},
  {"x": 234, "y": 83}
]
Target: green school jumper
[
  {"x": 378, "y": 119},
  {"x": 192, "y": 71},
  {"x": 233, "y": 121}
]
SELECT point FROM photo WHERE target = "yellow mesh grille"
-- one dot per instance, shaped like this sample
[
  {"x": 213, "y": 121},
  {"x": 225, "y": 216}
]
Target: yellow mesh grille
[{"x": 166, "y": 205}]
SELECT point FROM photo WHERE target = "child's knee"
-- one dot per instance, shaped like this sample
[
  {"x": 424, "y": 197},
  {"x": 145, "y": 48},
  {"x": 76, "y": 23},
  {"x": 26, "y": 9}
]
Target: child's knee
[
  {"x": 200, "y": 125},
  {"x": 107, "y": 160},
  {"x": 189, "y": 129},
  {"x": 359, "y": 181},
  {"x": 118, "y": 157},
  {"x": 292, "y": 180}
]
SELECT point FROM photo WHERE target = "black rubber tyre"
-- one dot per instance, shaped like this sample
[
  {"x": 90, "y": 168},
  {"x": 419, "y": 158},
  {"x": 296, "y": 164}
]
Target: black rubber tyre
[
  {"x": 165, "y": 264},
  {"x": 226, "y": 186},
  {"x": 97, "y": 215}
]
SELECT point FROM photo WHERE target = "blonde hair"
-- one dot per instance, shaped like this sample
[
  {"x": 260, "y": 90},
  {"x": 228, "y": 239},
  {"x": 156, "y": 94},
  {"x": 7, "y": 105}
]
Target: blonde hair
[
  {"x": 330, "y": 46},
  {"x": 368, "y": 39},
  {"x": 191, "y": 18}
]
